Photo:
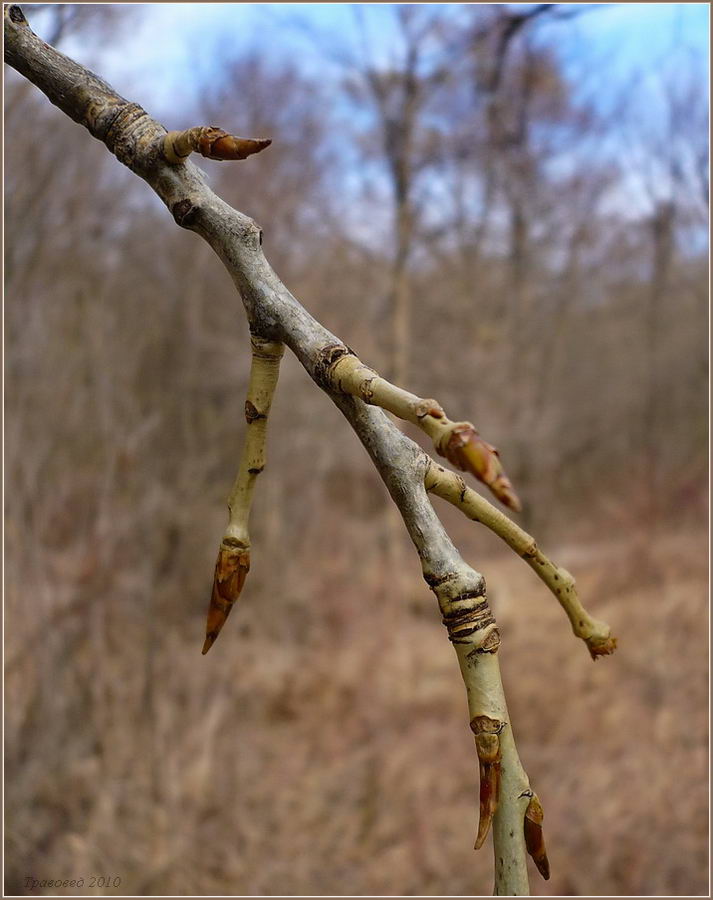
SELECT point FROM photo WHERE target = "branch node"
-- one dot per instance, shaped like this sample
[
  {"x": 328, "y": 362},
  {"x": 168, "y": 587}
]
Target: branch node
[
  {"x": 327, "y": 359},
  {"x": 251, "y": 413},
  {"x": 429, "y": 408}
]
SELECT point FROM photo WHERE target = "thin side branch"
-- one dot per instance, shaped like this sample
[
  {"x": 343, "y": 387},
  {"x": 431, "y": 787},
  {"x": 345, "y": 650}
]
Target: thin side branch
[
  {"x": 451, "y": 487},
  {"x": 459, "y": 442},
  {"x": 233, "y": 563}
]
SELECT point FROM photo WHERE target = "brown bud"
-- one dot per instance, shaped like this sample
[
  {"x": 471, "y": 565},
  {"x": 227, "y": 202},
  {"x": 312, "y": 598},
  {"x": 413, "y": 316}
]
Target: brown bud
[
  {"x": 601, "y": 646},
  {"x": 534, "y": 839},
  {"x": 487, "y": 745},
  {"x": 214, "y": 143},
  {"x": 465, "y": 449},
  {"x": 231, "y": 568}
]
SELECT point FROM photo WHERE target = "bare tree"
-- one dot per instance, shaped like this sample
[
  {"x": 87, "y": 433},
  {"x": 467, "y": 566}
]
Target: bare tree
[
  {"x": 669, "y": 163},
  {"x": 276, "y": 320},
  {"x": 526, "y": 100},
  {"x": 399, "y": 95}
]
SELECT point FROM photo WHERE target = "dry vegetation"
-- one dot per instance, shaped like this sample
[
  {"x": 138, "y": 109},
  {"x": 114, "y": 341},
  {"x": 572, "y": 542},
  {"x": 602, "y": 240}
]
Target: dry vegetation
[{"x": 322, "y": 747}]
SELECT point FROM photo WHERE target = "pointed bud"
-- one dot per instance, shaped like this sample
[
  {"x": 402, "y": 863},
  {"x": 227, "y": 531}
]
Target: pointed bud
[
  {"x": 464, "y": 448},
  {"x": 488, "y": 749},
  {"x": 487, "y": 746},
  {"x": 214, "y": 143},
  {"x": 534, "y": 839},
  {"x": 231, "y": 568}
]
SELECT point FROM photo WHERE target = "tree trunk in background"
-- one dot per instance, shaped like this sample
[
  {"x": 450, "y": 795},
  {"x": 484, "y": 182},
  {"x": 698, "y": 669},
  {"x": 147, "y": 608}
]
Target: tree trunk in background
[
  {"x": 662, "y": 246},
  {"x": 400, "y": 294},
  {"x": 400, "y": 306}
]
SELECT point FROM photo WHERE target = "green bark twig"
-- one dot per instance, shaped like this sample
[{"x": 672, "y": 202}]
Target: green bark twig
[{"x": 233, "y": 563}]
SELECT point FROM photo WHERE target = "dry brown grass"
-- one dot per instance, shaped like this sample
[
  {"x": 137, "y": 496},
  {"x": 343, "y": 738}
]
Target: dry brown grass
[{"x": 322, "y": 747}]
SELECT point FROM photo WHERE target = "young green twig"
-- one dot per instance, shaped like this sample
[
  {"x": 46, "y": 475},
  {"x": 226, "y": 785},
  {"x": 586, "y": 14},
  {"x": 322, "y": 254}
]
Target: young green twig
[{"x": 233, "y": 561}]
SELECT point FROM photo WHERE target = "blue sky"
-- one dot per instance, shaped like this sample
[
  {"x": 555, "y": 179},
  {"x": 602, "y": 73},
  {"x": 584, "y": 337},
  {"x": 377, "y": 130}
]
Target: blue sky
[
  {"x": 626, "y": 38},
  {"x": 611, "y": 51}
]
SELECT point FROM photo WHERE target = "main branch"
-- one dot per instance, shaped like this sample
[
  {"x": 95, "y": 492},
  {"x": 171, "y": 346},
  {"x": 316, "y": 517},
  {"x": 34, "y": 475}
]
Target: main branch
[{"x": 276, "y": 318}]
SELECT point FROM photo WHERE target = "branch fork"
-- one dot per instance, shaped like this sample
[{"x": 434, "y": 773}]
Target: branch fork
[{"x": 459, "y": 442}]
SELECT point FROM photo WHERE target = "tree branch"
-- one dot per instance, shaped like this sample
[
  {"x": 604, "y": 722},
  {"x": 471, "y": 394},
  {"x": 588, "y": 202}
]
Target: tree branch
[
  {"x": 276, "y": 317},
  {"x": 510, "y": 24}
]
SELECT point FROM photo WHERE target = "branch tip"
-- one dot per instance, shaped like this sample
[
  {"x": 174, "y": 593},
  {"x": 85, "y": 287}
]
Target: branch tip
[
  {"x": 211, "y": 142},
  {"x": 601, "y": 646},
  {"x": 231, "y": 569}
]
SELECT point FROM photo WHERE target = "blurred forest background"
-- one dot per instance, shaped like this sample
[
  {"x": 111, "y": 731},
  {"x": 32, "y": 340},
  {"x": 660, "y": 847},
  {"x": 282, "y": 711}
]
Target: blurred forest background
[{"x": 513, "y": 229}]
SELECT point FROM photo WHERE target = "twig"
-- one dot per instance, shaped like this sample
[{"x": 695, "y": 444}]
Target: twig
[
  {"x": 233, "y": 563},
  {"x": 450, "y": 486}
]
